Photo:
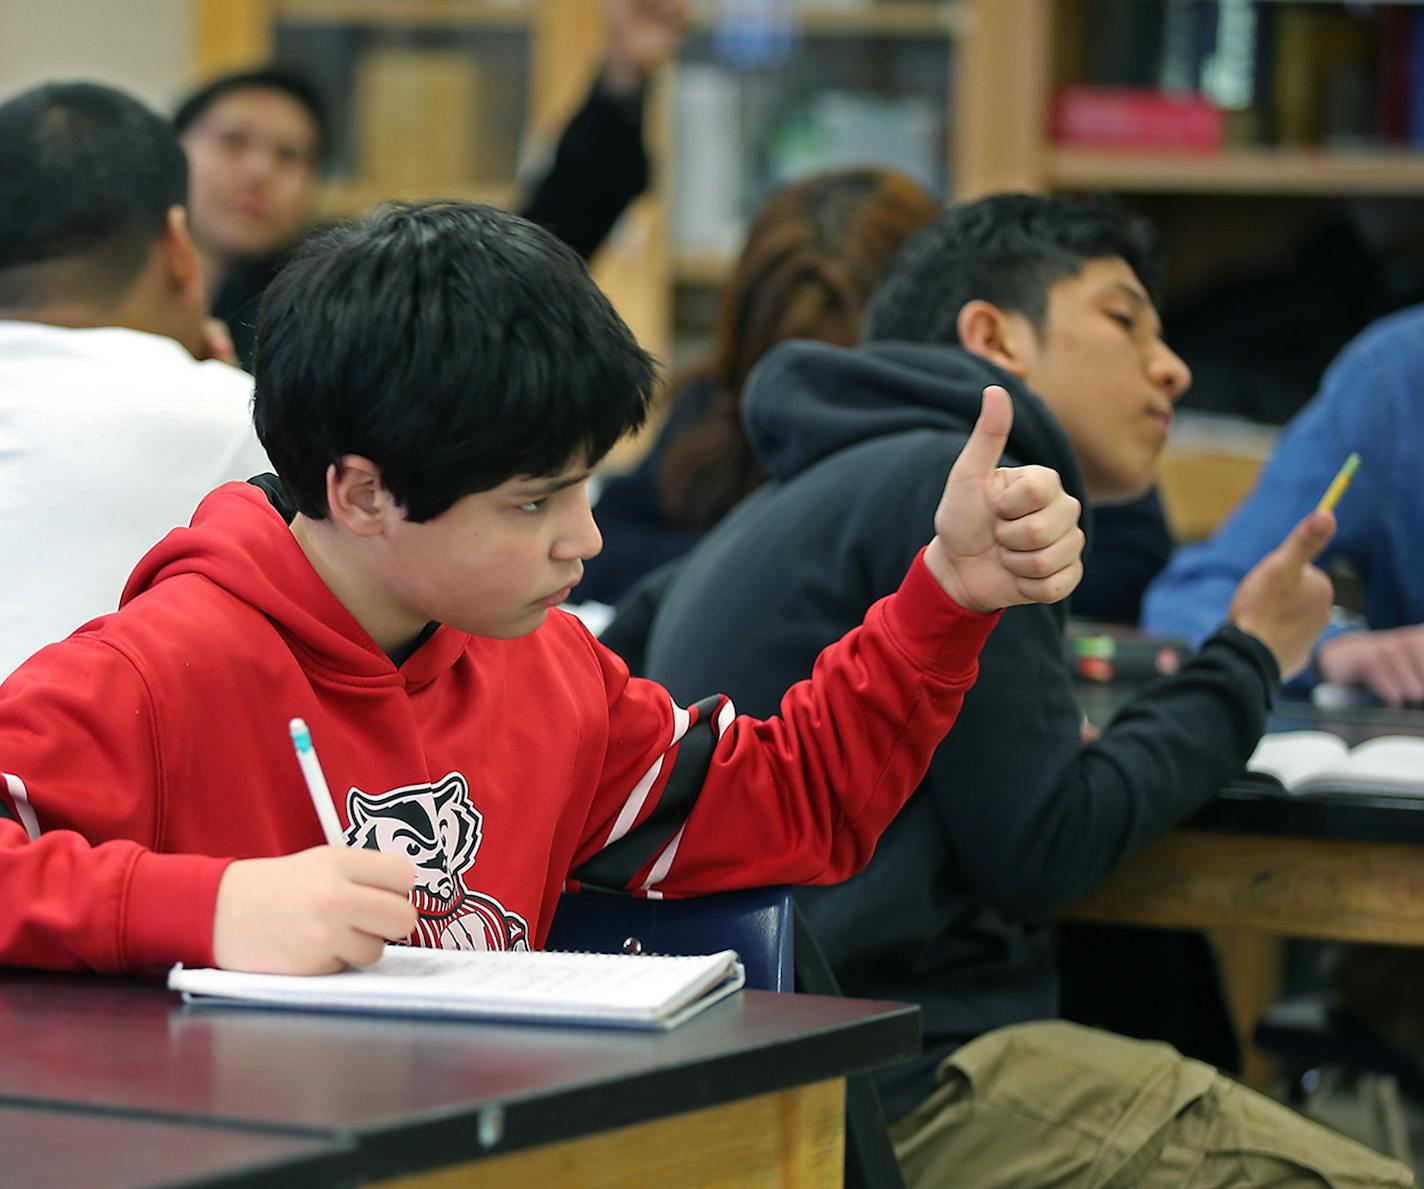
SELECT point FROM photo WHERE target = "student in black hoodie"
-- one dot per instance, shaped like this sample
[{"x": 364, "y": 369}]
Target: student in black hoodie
[{"x": 1016, "y": 818}]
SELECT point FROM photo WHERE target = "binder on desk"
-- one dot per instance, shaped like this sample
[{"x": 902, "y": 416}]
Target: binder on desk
[{"x": 618, "y": 990}]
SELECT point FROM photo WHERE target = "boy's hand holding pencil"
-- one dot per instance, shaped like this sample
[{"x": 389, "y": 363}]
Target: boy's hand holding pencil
[
  {"x": 1285, "y": 600},
  {"x": 317, "y": 911},
  {"x": 314, "y": 912}
]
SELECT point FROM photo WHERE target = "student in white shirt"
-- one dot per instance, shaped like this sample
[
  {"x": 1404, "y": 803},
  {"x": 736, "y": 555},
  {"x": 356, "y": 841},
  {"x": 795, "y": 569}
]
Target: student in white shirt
[{"x": 115, "y": 417}]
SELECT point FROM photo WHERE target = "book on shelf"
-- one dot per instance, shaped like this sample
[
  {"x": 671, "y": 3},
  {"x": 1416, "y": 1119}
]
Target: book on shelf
[
  {"x": 1332, "y": 75},
  {"x": 646, "y": 991},
  {"x": 1314, "y": 763},
  {"x": 1136, "y": 118}
]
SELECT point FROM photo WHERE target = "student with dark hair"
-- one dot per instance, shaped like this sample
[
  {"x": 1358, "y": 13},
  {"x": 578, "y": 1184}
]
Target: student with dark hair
[
  {"x": 257, "y": 140},
  {"x": 112, "y": 428},
  {"x": 1053, "y": 299},
  {"x": 434, "y": 385},
  {"x": 814, "y": 254}
]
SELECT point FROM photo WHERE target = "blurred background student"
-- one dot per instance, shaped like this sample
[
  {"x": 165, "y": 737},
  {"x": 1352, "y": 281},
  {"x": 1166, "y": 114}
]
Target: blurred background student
[
  {"x": 1370, "y": 402},
  {"x": 814, "y": 254},
  {"x": 258, "y": 139}
]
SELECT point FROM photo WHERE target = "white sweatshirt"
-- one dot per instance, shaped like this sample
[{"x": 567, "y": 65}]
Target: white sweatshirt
[{"x": 108, "y": 439}]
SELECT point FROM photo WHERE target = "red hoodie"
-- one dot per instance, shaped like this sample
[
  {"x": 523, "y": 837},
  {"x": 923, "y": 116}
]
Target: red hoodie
[{"x": 147, "y": 751}]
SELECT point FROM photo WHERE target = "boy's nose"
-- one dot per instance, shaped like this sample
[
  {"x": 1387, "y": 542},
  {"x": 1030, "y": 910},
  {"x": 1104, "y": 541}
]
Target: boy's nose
[
  {"x": 1169, "y": 371},
  {"x": 581, "y": 539}
]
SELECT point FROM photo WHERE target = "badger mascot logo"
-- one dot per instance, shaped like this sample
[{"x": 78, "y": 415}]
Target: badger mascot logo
[{"x": 438, "y": 830}]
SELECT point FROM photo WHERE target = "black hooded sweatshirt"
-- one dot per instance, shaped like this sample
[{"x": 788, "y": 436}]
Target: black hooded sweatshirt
[{"x": 1015, "y": 818}]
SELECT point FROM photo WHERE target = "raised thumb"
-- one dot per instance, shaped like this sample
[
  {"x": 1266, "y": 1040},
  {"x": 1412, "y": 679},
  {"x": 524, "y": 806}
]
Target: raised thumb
[{"x": 985, "y": 446}]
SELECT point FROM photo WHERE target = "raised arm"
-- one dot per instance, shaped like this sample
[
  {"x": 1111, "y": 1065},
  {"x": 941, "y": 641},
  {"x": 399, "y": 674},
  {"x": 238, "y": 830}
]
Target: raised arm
[
  {"x": 697, "y": 800},
  {"x": 600, "y": 164}
]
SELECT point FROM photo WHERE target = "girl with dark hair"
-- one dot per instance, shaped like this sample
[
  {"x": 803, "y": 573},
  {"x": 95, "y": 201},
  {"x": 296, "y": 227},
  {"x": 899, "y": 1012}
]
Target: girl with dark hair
[{"x": 813, "y": 256}]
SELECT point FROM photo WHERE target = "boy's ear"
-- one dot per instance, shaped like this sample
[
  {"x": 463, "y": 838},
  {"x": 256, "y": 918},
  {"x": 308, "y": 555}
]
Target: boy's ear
[
  {"x": 183, "y": 267},
  {"x": 1003, "y": 337},
  {"x": 356, "y": 497}
]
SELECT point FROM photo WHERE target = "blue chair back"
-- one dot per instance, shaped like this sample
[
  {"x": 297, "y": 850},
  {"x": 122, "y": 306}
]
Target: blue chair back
[{"x": 757, "y": 923}]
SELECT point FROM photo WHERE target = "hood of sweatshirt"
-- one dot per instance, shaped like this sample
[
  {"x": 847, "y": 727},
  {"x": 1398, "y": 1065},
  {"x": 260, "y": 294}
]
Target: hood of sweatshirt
[
  {"x": 805, "y": 401},
  {"x": 240, "y": 542}
]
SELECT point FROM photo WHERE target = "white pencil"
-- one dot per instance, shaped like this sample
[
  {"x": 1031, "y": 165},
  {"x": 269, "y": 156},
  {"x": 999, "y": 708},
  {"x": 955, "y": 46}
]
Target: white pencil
[{"x": 316, "y": 782}]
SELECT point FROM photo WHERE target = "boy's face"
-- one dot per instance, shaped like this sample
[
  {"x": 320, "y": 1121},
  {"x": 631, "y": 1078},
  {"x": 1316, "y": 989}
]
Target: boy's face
[
  {"x": 495, "y": 562},
  {"x": 252, "y": 172},
  {"x": 1100, "y": 364}
]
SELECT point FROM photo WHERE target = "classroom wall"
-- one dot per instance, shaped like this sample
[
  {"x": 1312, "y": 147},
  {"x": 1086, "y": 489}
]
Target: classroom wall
[{"x": 142, "y": 46}]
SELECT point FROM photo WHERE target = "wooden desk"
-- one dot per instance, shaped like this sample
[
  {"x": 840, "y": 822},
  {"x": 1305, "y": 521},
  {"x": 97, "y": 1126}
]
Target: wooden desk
[
  {"x": 1332, "y": 889},
  {"x": 1345, "y": 868},
  {"x": 750, "y": 1090},
  {"x": 1255, "y": 867}
]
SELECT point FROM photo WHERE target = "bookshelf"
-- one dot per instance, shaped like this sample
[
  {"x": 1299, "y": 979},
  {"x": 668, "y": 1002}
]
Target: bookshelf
[
  {"x": 1263, "y": 171},
  {"x": 461, "y": 14},
  {"x": 1016, "y": 57}
]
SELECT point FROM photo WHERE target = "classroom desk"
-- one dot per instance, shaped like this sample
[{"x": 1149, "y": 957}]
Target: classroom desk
[
  {"x": 1347, "y": 868},
  {"x": 59, "y": 1148},
  {"x": 751, "y": 1090},
  {"x": 1255, "y": 866}
]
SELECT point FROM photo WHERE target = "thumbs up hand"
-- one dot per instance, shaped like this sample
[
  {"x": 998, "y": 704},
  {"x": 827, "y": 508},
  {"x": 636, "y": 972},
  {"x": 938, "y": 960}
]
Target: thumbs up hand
[{"x": 1003, "y": 535}]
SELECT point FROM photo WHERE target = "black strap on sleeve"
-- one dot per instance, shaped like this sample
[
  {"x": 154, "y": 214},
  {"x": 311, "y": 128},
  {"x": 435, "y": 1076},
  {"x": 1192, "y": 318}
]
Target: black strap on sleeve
[{"x": 614, "y": 867}]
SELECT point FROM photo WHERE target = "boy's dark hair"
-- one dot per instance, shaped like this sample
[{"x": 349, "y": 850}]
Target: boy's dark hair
[
  {"x": 454, "y": 345},
  {"x": 288, "y": 81},
  {"x": 1009, "y": 250},
  {"x": 88, "y": 175}
]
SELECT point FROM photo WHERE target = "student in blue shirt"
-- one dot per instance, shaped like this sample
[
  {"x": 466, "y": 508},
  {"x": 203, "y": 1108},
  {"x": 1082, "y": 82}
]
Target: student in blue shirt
[{"x": 1370, "y": 402}]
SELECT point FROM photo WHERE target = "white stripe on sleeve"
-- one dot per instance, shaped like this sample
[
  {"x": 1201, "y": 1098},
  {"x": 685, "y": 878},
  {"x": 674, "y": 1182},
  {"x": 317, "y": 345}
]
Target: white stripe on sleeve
[
  {"x": 664, "y": 864},
  {"x": 21, "y": 797},
  {"x": 633, "y": 805}
]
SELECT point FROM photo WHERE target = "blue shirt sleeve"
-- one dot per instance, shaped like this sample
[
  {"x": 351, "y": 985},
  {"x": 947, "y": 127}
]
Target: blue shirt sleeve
[{"x": 1364, "y": 406}]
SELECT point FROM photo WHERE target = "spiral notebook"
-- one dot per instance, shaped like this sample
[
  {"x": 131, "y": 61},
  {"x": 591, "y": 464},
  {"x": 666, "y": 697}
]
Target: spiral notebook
[{"x": 646, "y": 991}]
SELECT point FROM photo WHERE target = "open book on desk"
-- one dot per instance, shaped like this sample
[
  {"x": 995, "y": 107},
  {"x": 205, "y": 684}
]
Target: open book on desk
[
  {"x": 1316, "y": 762},
  {"x": 622, "y": 990}
]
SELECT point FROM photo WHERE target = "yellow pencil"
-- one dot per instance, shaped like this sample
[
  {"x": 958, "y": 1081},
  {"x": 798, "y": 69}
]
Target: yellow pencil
[{"x": 1338, "y": 484}]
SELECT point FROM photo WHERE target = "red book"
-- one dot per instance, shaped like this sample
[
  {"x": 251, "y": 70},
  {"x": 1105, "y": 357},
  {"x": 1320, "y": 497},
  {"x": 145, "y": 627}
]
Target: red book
[{"x": 1136, "y": 118}]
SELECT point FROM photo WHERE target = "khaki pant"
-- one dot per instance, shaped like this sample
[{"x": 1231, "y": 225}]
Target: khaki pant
[{"x": 1055, "y": 1104}]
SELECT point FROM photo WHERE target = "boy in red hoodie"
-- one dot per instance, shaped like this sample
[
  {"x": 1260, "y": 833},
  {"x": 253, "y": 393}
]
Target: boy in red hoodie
[{"x": 433, "y": 386}]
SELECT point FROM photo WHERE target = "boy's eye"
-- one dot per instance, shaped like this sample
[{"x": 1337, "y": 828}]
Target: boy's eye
[
  {"x": 531, "y": 506},
  {"x": 1126, "y": 321}
]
